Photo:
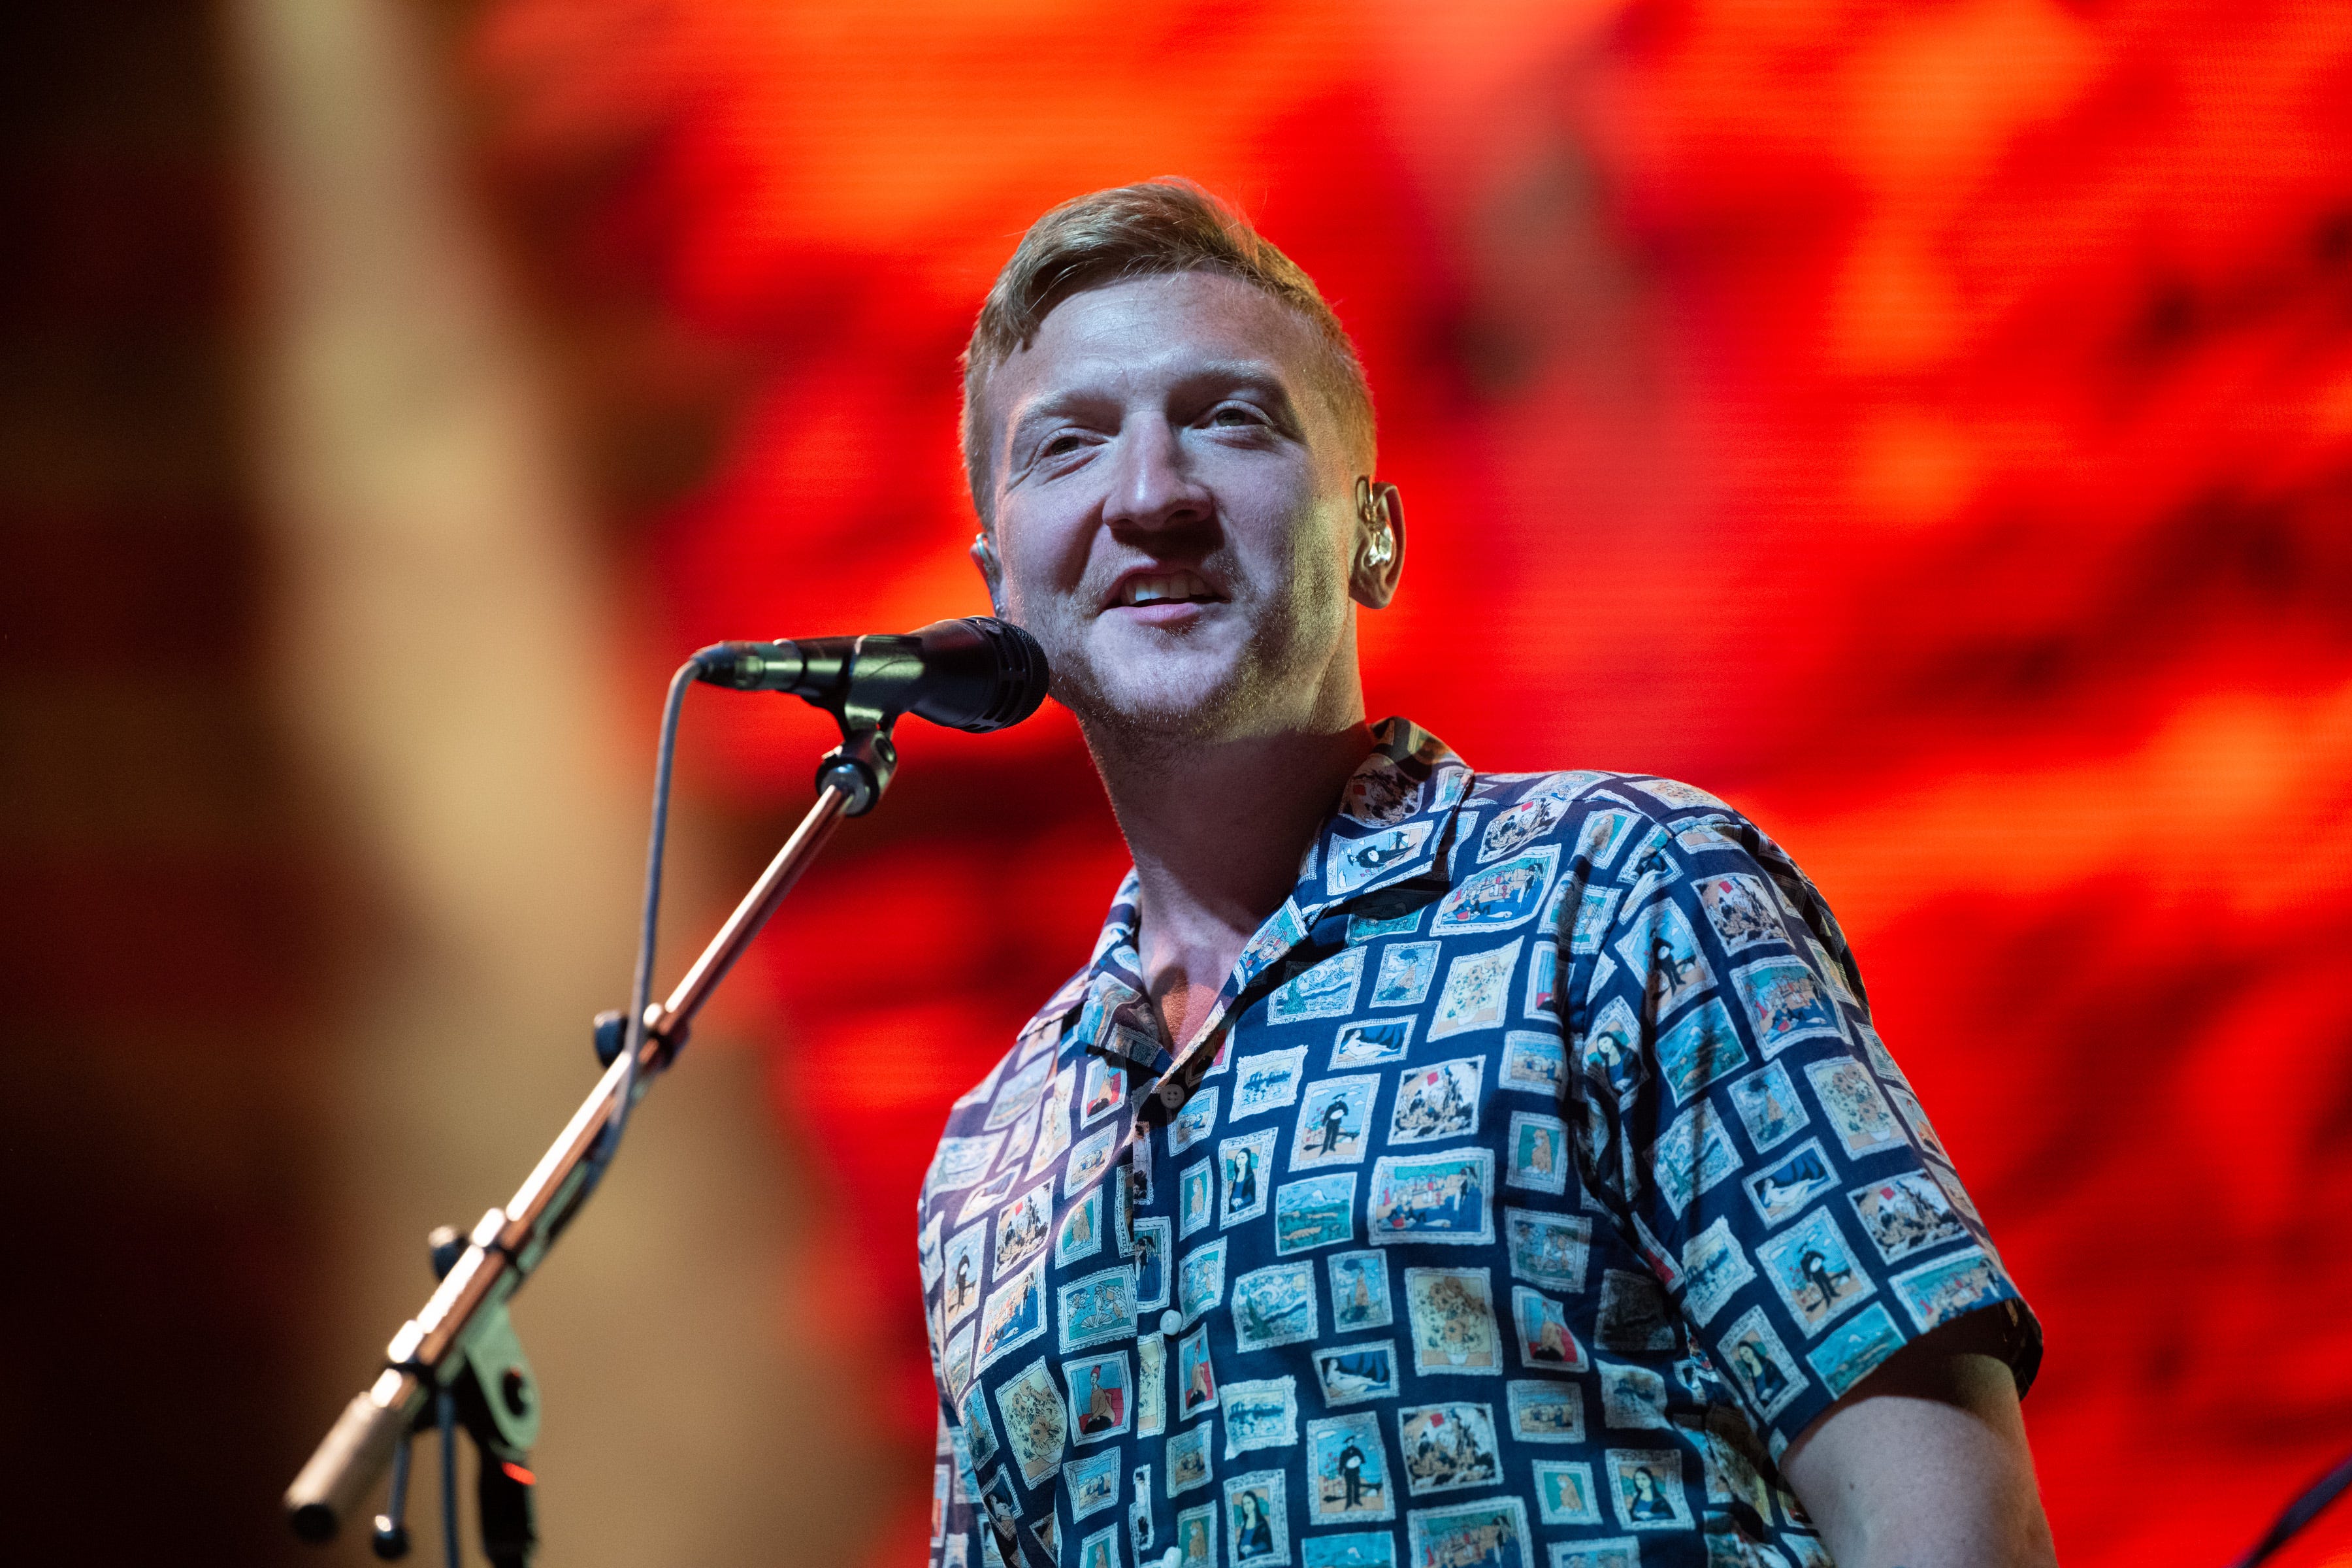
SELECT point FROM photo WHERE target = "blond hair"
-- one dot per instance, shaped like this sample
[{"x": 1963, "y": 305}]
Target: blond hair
[{"x": 1147, "y": 230}]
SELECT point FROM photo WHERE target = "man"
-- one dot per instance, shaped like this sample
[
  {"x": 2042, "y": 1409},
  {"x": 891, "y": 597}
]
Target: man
[
  {"x": 1334, "y": 1122},
  {"x": 1170, "y": 449},
  {"x": 1352, "y": 1475},
  {"x": 1815, "y": 1269}
]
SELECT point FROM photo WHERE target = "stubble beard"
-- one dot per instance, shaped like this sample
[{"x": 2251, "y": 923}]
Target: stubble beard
[{"x": 1156, "y": 718}]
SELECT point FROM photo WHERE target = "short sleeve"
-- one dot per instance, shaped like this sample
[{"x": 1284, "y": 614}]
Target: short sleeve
[{"x": 1775, "y": 1167}]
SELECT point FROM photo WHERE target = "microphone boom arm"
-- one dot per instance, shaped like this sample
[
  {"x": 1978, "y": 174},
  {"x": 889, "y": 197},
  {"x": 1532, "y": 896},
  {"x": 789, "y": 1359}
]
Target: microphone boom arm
[{"x": 428, "y": 1353}]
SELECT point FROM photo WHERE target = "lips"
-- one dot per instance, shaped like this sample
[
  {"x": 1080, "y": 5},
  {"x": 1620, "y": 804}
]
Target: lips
[{"x": 1142, "y": 590}]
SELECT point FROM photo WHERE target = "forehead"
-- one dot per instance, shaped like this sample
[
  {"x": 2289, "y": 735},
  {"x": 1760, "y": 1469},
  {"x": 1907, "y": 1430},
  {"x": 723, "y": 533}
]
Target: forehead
[{"x": 1136, "y": 335}]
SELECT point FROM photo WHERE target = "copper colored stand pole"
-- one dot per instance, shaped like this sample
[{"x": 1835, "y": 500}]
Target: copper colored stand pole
[{"x": 429, "y": 1352}]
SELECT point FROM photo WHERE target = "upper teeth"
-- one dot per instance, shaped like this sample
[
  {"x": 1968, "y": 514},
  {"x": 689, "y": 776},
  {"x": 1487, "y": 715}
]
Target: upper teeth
[{"x": 1161, "y": 589}]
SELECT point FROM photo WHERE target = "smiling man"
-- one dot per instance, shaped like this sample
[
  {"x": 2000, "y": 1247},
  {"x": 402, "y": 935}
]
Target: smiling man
[{"x": 1749, "y": 1316}]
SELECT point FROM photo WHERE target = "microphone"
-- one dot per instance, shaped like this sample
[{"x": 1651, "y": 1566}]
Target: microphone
[{"x": 976, "y": 674}]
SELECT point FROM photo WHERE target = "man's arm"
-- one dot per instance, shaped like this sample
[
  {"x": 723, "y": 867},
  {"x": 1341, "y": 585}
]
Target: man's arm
[{"x": 1924, "y": 1464}]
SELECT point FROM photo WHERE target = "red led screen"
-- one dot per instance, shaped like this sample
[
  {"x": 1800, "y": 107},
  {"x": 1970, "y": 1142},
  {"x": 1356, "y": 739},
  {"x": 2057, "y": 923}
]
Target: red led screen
[{"x": 1927, "y": 425}]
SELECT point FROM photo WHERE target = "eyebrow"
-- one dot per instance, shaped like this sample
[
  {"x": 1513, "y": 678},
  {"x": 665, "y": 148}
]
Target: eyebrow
[{"x": 1251, "y": 375}]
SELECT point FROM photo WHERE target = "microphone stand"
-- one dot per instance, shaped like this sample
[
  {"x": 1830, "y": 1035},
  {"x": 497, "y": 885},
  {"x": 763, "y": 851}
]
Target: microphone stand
[{"x": 457, "y": 1358}]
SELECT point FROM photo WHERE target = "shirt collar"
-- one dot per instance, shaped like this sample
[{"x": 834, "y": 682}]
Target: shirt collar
[{"x": 1394, "y": 826}]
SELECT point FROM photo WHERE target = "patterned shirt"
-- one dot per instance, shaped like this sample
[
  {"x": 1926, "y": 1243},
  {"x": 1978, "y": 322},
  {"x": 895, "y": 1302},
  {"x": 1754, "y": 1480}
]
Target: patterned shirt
[{"x": 1535, "y": 1181}]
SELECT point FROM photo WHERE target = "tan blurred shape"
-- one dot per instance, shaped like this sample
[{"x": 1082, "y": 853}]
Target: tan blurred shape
[{"x": 440, "y": 620}]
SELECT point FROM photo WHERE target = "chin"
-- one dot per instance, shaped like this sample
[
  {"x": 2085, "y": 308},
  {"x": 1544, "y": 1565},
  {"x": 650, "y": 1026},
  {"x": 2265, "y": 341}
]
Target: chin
[
  {"x": 1190, "y": 717},
  {"x": 1172, "y": 705}
]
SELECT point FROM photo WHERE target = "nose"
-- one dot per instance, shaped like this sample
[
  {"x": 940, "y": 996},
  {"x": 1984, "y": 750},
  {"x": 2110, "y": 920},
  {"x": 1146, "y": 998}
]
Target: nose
[{"x": 1153, "y": 487}]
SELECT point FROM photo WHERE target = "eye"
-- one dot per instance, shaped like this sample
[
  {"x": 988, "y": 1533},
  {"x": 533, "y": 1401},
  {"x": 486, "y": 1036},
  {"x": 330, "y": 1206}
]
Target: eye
[
  {"x": 1236, "y": 413},
  {"x": 1054, "y": 447}
]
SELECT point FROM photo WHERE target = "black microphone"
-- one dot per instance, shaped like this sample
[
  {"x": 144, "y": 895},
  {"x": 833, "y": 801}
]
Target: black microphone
[{"x": 976, "y": 674}]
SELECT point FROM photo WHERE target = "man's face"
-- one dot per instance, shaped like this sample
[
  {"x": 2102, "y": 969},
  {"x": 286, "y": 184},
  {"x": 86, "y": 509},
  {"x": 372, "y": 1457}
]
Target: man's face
[{"x": 1174, "y": 511}]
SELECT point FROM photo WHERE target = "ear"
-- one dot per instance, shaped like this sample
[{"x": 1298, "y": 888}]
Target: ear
[
  {"x": 991, "y": 570},
  {"x": 1379, "y": 560}
]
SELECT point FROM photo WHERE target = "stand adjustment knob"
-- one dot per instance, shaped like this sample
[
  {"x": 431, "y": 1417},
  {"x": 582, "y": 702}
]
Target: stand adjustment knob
[
  {"x": 448, "y": 1244},
  {"x": 390, "y": 1539},
  {"x": 514, "y": 1387},
  {"x": 611, "y": 1033}
]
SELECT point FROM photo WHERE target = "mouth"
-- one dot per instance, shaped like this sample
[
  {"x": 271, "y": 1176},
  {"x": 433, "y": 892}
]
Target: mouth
[{"x": 1162, "y": 589}]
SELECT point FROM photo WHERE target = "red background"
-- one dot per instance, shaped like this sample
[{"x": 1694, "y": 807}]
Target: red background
[{"x": 1929, "y": 427}]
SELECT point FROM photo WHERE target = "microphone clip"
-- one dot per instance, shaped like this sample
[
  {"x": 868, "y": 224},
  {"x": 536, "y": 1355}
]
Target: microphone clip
[
  {"x": 874, "y": 684},
  {"x": 860, "y": 767},
  {"x": 866, "y": 683}
]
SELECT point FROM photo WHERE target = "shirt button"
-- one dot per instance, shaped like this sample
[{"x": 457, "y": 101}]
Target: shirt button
[
  {"x": 1170, "y": 1094},
  {"x": 1170, "y": 1321}
]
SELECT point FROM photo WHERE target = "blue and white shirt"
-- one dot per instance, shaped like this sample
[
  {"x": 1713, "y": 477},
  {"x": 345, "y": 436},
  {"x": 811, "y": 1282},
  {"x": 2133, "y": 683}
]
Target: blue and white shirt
[{"x": 1537, "y": 1178}]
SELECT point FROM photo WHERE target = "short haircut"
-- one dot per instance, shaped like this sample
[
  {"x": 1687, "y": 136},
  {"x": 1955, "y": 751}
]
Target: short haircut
[{"x": 1153, "y": 229}]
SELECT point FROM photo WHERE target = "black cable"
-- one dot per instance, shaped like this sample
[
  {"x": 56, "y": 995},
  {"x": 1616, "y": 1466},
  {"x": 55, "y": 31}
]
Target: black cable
[
  {"x": 2305, "y": 1507},
  {"x": 632, "y": 1042},
  {"x": 391, "y": 1525},
  {"x": 446, "y": 1415},
  {"x": 641, "y": 991}
]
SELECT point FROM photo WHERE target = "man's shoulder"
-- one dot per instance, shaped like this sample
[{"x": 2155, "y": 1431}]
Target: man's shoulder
[
  {"x": 1650, "y": 793},
  {"x": 1018, "y": 1076},
  {"x": 984, "y": 1091},
  {"x": 1557, "y": 802},
  {"x": 1505, "y": 813}
]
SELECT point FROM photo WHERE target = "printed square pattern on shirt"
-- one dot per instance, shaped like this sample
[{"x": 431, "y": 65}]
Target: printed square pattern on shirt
[{"x": 1540, "y": 1134}]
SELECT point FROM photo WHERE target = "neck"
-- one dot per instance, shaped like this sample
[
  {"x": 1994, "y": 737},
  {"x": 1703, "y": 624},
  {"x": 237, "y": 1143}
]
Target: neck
[{"x": 1217, "y": 829}]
